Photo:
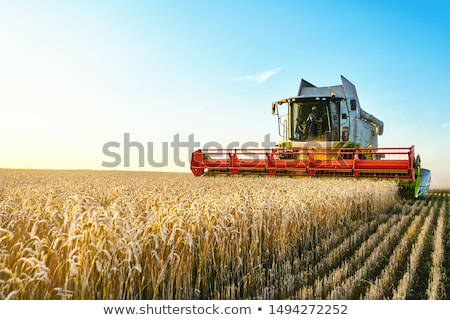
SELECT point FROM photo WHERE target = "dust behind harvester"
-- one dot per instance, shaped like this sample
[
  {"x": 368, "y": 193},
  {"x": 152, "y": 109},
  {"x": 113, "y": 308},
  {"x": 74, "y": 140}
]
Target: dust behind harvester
[{"x": 325, "y": 134}]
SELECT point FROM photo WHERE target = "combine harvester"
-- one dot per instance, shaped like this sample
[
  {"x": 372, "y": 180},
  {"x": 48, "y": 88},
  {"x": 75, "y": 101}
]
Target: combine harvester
[{"x": 325, "y": 134}]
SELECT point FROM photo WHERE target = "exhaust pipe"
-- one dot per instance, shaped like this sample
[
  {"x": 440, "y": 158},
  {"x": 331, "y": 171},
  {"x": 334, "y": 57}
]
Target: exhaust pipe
[{"x": 367, "y": 116}]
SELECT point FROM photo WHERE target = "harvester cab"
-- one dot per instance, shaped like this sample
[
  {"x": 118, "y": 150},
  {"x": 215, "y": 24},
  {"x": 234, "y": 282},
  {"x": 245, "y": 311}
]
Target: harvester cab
[
  {"x": 325, "y": 133},
  {"x": 326, "y": 117}
]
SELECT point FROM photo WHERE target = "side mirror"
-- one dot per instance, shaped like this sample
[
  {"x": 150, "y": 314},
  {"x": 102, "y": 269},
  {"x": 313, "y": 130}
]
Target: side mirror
[
  {"x": 274, "y": 108},
  {"x": 353, "y": 104}
]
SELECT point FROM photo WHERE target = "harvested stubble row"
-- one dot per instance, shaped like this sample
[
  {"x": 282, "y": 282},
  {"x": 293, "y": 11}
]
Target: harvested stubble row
[
  {"x": 435, "y": 285},
  {"x": 130, "y": 235}
]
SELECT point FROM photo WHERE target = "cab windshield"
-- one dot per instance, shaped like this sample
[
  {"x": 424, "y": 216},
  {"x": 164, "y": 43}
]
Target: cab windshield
[{"x": 316, "y": 120}]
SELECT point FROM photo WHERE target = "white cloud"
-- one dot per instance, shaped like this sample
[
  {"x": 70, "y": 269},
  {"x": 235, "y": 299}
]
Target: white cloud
[
  {"x": 260, "y": 77},
  {"x": 445, "y": 125}
]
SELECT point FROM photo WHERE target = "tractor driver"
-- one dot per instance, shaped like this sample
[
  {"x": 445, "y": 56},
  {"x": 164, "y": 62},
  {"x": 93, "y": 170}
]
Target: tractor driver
[{"x": 314, "y": 121}]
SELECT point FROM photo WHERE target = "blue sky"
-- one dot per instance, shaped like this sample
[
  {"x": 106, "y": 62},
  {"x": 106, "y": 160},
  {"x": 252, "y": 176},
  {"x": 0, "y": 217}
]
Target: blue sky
[{"x": 75, "y": 75}]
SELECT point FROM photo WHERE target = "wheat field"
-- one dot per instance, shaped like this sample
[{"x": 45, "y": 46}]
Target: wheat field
[{"x": 137, "y": 235}]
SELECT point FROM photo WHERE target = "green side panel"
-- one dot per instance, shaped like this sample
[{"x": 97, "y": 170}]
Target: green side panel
[
  {"x": 284, "y": 144},
  {"x": 417, "y": 181},
  {"x": 346, "y": 144}
]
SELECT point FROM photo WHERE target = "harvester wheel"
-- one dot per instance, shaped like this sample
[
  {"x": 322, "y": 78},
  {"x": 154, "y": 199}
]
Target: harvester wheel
[{"x": 406, "y": 193}]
